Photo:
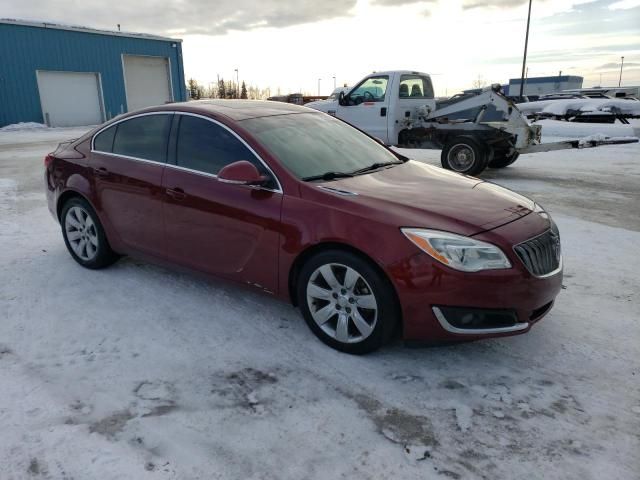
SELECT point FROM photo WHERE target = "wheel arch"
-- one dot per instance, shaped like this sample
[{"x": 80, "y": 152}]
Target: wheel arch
[
  {"x": 314, "y": 249},
  {"x": 68, "y": 195}
]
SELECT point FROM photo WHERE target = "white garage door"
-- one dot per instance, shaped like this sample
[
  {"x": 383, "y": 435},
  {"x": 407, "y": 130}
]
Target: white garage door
[
  {"x": 70, "y": 99},
  {"x": 146, "y": 81}
]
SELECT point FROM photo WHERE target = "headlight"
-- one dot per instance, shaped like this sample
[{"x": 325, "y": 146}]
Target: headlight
[{"x": 456, "y": 251}]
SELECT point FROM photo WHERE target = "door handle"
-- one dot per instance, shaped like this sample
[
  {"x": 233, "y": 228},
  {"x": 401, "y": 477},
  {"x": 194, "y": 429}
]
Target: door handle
[
  {"x": 383, "y": 112},
  {"x": 101, "y": 172},
  {"x": 176, "y": 193}
]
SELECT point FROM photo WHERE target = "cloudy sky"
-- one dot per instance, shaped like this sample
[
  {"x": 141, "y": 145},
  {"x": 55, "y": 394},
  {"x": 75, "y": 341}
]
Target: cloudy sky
[{"x": 292, "y": 43}]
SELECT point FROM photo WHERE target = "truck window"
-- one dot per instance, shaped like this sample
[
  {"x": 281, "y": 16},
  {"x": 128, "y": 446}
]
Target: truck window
[
  {"x": 415, "y": 86},
  {"x": 373, "y": 89}
]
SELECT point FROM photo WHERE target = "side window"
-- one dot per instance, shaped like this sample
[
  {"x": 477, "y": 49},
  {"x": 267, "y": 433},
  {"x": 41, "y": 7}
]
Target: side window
[
  {"x": 103, "y": 142},
  {"x": 373, "y": 89},
  {"x": 143, "y": 137},
  {"x": 415, "y": 86},
  {"x": 207, "y": 147}
]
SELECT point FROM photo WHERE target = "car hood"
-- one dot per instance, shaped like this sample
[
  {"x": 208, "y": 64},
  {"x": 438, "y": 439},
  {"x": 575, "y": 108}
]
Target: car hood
[{"x": 419, "y": 195}]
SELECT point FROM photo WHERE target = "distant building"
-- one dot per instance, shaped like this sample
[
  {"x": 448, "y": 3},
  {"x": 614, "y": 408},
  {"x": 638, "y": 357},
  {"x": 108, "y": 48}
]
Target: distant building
[
  {"x": 536, "y": 86},
  {"x": 67, "y": 76}
]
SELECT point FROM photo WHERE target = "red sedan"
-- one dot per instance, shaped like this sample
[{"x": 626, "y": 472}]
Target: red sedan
[{"x": 309, "y": 209}]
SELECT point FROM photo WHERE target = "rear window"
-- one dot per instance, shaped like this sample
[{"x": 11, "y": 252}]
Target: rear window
[
  {"x": 104, "y": 140},
  {"x": 415, "y": 86},
  {"x": 143, "y": 137}
]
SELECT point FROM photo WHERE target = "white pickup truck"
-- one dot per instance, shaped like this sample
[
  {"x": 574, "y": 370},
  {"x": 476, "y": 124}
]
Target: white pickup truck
[{"x": 474, "y": 131}]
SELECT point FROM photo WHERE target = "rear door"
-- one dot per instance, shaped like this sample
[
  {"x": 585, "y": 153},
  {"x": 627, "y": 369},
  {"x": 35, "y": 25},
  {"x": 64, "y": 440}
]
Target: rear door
[
  {"x": 128, "y": 162},
  {"x": 219, "y": 228},
  {"x": 367, "y": 106}
]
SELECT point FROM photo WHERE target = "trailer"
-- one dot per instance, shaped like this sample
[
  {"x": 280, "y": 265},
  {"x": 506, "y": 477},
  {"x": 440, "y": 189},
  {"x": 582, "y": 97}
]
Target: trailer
[{"x": 473, "y": 131}]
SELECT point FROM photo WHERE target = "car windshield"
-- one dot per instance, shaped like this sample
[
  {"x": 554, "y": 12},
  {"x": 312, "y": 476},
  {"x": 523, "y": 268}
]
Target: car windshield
[{"x": 314, "y": 144}]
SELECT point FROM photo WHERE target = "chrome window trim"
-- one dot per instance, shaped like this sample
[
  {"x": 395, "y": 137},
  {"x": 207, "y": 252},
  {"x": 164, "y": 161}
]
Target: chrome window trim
[
  {"x": 178, "y": 167},
  {"x": 93, "y": 138},
  {"x": 546, "y": 275},
  {"x": 475, "y": 331},
  {"x": 264, "y": 164}
]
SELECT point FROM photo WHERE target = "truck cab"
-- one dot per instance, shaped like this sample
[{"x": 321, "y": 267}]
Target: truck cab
[{"x": 380, "y": 102}]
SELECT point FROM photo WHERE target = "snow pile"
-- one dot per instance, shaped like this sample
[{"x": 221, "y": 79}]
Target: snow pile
[
  {"x": 17, "y": 127},
  {"x": 583, "y": 105},
  {"x": 553, "y": 130}
]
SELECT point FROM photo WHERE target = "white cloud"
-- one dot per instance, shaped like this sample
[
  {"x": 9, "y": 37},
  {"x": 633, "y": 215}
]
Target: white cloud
[{"x": 624, "y": 5}]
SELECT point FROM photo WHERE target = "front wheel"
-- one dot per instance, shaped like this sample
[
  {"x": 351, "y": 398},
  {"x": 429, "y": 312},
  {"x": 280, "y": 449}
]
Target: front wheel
[
  {"x": 464, "y": 155},
  {"x": 346, "y": 303}
]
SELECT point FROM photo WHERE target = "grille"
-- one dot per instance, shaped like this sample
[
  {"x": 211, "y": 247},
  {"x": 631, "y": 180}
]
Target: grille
[{"x": 541, "y": 255}]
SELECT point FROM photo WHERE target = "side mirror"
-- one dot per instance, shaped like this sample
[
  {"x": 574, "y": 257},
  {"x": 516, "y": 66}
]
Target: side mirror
[
  {"x": 241, "y": 172},
  {"x": 341, "y": 99}
]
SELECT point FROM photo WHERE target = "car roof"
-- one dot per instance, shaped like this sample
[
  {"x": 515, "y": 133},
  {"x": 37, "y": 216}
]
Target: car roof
[{"x": 238, "y": 109}]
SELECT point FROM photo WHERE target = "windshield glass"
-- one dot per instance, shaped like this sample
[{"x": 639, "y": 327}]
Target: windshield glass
[{"x": 312, "y": 144}]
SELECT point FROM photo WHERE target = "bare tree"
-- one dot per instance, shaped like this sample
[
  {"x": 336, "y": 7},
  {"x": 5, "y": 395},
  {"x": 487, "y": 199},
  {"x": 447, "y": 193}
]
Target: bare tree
[{"x": 479, "y": 82}]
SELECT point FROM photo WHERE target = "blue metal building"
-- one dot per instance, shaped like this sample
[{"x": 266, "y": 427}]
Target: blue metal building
[{"x": 66, "y": 76}]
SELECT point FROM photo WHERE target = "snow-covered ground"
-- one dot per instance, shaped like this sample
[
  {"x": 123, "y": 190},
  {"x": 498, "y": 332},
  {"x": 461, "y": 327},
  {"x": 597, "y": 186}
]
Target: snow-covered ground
[{"x": 138, "y": 372}]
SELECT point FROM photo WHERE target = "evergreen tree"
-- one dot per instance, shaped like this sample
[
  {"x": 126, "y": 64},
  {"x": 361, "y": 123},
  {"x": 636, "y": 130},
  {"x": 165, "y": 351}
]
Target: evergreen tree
[
  {"x": 194, "y": 89},
  {"x": 243, "y": 91},
  {"x": 222, "y": 90}
]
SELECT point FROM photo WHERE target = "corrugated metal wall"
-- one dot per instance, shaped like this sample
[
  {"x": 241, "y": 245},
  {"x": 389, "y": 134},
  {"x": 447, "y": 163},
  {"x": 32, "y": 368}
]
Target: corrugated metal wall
[{"x": 25, "y": 49}]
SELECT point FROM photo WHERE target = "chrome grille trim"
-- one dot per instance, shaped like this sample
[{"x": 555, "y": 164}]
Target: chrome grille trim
[{"x": 539, "y": 255}]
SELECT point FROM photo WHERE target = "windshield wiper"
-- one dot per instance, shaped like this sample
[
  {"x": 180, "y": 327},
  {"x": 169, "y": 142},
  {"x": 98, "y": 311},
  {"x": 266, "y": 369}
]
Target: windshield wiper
[
  {"x": 327, "y": 176},
  {"x": 375, "y": 166}
]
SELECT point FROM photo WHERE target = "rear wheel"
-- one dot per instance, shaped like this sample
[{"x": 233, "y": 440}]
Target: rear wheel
[
  {"x": 464, "y": 155},
  {"x": 84, "y": 236},
  {"x": 503, "y": 159},
  {"x": 347, "y": 304}
]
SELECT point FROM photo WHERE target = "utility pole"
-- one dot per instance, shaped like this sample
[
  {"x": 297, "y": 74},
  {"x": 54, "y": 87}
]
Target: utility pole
[
  {"x": 319, "y": 86},
  {"x": 237, "y": 82},
  {"x": 621, "y": 65},
  {"x": 524, "y": 58},
  {"x": 334, "y": 82}
]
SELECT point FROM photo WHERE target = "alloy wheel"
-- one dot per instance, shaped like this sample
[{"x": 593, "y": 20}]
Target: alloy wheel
[
  {"x": 81, "y": 233},
  {"x": 342, "y": 303}
]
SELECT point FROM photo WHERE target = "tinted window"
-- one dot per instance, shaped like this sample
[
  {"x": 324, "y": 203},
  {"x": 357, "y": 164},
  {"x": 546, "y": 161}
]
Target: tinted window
[
  {"x": 143, "y": 137},
  {"x": 104, "y": 141},
  {"x": 310, "y": 144},
  {"x": 415, "y": 86},
  {"x": 207, "y": 147}
]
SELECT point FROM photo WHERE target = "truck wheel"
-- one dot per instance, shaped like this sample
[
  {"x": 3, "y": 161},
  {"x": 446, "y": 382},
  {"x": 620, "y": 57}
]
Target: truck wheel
[
  {"x": 501, "y": 160},
  {"x": 464, "y": 155}
]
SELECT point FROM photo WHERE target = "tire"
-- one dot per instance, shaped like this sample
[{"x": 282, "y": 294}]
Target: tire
[
  {"x": 84, "y": 236},
  {"x": 464, "y": 155},
  {"x": 330, "y": 305},
  {"x": 501, "y": 160}
]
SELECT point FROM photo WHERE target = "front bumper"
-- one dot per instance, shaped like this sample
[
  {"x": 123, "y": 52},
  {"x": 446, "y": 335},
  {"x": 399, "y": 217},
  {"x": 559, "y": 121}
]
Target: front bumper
[{"x": 442, "y": 304}]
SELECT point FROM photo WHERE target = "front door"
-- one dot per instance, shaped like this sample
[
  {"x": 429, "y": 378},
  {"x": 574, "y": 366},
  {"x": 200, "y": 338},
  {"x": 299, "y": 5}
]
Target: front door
[
  {"x": 223, "y": 229},
  {"x": 367, "y": 105},
  {"x": 128, "y": 161}
]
